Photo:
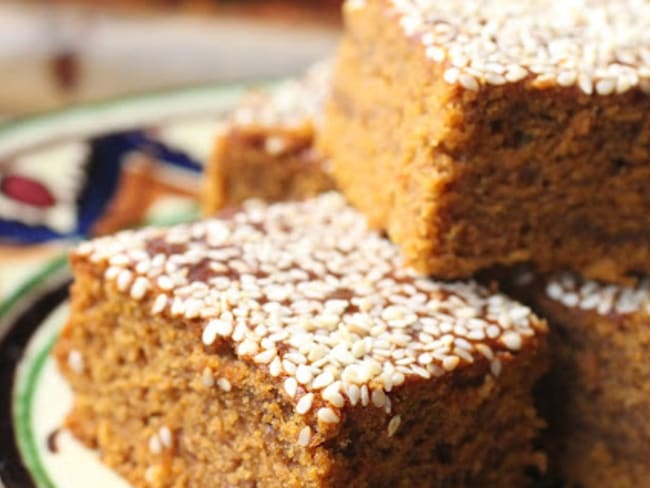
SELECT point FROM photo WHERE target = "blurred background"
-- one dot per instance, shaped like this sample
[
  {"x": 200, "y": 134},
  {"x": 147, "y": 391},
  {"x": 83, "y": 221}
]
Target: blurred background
[{"x": 53, "y": 53}]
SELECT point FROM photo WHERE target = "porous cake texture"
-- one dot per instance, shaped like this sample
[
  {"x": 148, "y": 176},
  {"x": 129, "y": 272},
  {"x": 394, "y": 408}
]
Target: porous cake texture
[
  {"x": 597, "y": 395},
  {"x": 287, "y": 345},
  {"x": 494, "y": 132},
  {"x": 266, "y": 149}
]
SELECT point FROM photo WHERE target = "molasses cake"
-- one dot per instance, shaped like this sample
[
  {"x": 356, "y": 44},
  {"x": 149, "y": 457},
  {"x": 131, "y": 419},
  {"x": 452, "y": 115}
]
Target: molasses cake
[
  {"x": 597, "y": 395},
  {"x": 286, "y": 345},
  {"x": 497, "y": 132},
  {"x": 266, "y": 149}
]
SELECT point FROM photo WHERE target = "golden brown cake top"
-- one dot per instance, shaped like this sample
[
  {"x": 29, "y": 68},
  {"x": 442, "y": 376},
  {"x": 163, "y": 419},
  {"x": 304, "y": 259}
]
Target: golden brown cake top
[
  {"x": 291, "y": 104},
  {"x": 604, "y": 299},
  {"x": 307, "y": 292},
  {"x": 600, "y": 46}
]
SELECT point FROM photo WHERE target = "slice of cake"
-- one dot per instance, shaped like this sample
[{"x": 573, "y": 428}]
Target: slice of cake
[
  {"x": 597, "y": 395},
  {"x": 497, "y": 132},
  {"x": 287, "y": 345},
  {"x": 265, "y": 151}
]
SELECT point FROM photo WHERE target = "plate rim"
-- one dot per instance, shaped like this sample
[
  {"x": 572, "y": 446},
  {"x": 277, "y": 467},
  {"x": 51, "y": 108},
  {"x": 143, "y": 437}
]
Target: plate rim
[{"x": 122, "y": 112}]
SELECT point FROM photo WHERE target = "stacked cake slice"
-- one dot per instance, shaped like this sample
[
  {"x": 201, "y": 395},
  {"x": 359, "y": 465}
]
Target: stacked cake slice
[
  {"x": 287, "y": 345},
  {"x": 496, "y": 132}
]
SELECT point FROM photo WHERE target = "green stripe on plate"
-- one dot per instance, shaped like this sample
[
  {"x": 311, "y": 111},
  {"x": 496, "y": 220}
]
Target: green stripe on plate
[{"x": 22, "y": 406}]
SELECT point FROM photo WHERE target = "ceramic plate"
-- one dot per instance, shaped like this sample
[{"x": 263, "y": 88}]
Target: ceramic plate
[{"x": 65, "y": 176}]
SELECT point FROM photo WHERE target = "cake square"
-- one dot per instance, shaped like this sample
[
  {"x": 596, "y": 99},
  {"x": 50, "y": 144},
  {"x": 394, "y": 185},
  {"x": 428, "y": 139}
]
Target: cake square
[
  {"x": 266, "y": 149},
  {"x": 497, "y": 132},
  {"x": 596, "y": 395},
  {"x": 286, "y": 345}
]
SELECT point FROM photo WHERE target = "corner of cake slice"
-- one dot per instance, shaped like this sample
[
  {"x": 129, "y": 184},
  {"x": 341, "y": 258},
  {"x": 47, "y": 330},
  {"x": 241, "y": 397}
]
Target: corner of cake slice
[{"x": 265, "y": 150}]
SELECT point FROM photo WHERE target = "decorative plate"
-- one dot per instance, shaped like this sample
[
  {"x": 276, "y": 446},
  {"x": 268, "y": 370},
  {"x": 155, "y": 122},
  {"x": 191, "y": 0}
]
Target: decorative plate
[{"x": 65, "y": 176}]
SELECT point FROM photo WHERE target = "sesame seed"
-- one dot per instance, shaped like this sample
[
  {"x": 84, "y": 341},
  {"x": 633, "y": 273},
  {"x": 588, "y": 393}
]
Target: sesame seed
[
  {"x": 224, "y": 384},
  {"x": 365, "y": 396},
  {"x": 512, "y": 341},
  {"x": 304, "y": 437},
  {"x": 275, "y": 368},
  {"x": 207, "y": 377},
  {"x": 495, "y": 367},
  {"x": 495, "y": 78},
  {"x": 322, "y": 380},
  {"x": 76, "y": 361},
  {"x": 485, "y": 350},
  {"x": 378, "y": 398},
  {"x": 139, "y": 288},
  {"x": 159, "y": 304},
  {"x": 332, "y": 395},
  {"x": 585, "y": 83},
  {"x": 165, "y": 283},
  {"x": 165, "y": 436},
  {"x": 304, "y": 404},
  {"x": 354, "y": 394},
  {"x": 393, "y": 425},
  {"x": 605, "y": 86},
  {"x": 124, "y": 280},
  {"x": 327, "y": 415},
  {"x": 265, "y": 357},
  {"x": 155, "y": 446},
  {"x": 304, "y": 374},
  {"x": 112, "y": 273},
  {"x": 566, "y": 78},
  {"x": 291, "y": 386},
  {"x": 451, "y": 75},
  {"x": 468, "y": 81},
  {"x": 449, "y": 363},
  {"x": 209, "y": 334}
]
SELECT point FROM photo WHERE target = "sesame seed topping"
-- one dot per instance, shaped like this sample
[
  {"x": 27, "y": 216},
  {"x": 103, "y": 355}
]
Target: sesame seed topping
[
  {"x": 574, "y": 292},
  {"x": 292, "y": 104},
  {"x": 599, "y": 47},
  {"x": 325, "y": 306}
]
